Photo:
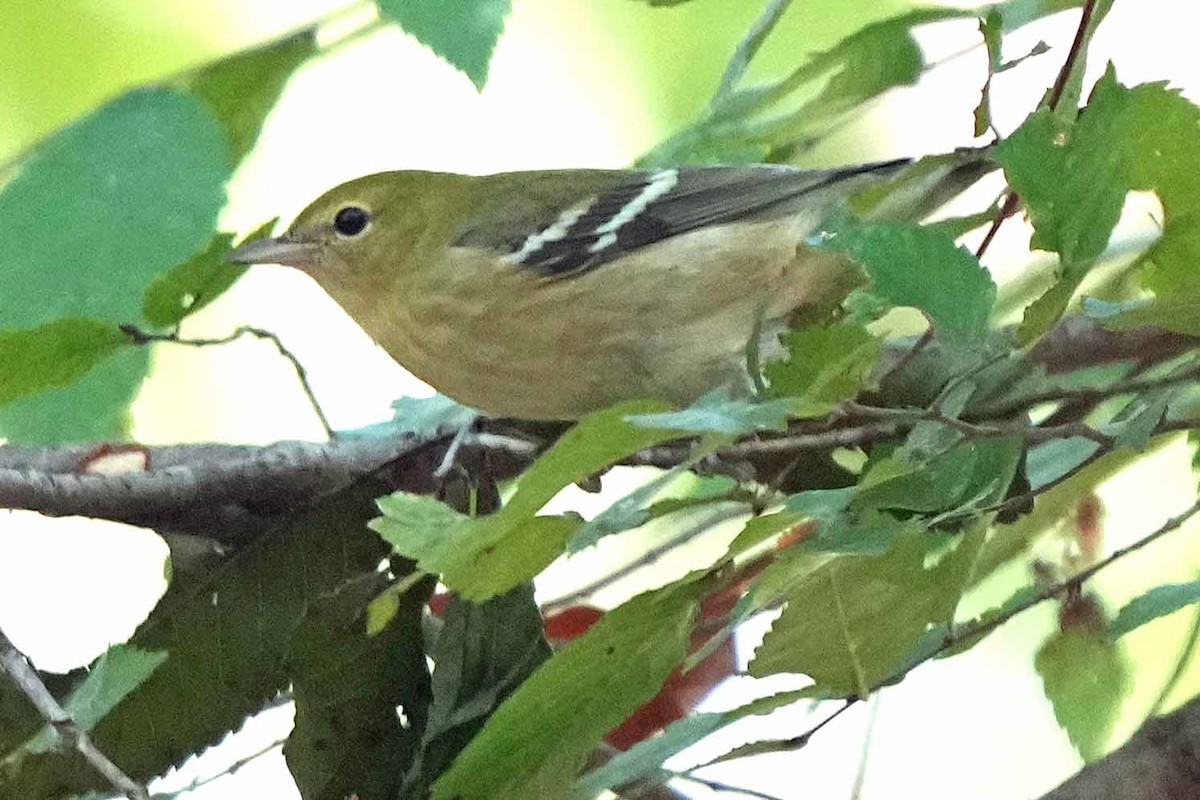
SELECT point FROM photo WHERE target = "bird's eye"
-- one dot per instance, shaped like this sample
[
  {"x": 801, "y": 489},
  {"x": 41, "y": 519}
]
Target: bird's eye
[{"x": 351, "y": 220}]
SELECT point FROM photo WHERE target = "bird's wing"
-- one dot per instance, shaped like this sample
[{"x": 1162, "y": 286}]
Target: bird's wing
[{"x": 557, "y": 227}]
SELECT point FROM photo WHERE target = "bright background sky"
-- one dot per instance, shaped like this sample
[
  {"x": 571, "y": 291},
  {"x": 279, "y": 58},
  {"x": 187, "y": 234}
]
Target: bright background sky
[{"x": 581, "y": 83}]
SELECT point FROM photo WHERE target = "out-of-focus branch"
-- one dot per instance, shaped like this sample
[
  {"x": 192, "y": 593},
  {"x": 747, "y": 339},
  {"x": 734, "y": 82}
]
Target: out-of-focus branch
[{"x": 1160, "y": 762}]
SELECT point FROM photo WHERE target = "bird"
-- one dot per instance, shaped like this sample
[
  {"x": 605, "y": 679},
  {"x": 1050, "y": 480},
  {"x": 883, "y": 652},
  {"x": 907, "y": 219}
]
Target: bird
[{"x": 550, "y": 294}]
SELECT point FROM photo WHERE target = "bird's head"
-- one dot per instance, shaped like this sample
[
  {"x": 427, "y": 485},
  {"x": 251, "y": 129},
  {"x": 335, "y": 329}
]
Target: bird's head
[{"x": 362, "y": 228}]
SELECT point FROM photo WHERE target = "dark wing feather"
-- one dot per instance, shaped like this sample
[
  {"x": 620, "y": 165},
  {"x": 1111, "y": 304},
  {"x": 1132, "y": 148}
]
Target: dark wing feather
[{"x": 541, "y": 224}]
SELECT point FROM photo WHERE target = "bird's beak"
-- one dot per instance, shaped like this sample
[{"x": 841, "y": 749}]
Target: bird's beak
[{"x": 284, "y": 249}]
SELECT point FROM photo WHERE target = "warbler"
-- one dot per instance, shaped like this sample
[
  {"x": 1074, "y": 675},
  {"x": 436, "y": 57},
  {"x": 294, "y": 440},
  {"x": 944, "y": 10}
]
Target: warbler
[{"x": 545, "y": 295}]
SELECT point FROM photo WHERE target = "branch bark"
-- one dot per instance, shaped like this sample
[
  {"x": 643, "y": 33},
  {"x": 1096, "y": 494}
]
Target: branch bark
[{"x": 1160, "y": 762}]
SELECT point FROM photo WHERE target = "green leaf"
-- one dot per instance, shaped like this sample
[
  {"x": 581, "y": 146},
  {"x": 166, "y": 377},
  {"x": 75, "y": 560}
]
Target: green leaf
[
  {"x": 823, "y": 505},
  {"x": 423, "y": 417},
  {"x": 850, "y": 622},
  {"x": 416, "y": 525},
  {"x": 716, "y": 412},
  {"x": 1073, "y": 86},
  {"x": 55, "y": 354},
  {"x": 188, "y": 287},
  {"x": 480, "y": 558},
  {"x": 1070, "y": 176},
  {"x": 115, "y": 674},
  {"x": 94, "y": 212},
  {"x": 825, "y": 364},
  {"x": 1158, "y": 602},
  {"x": 922, "y": 267},
  {"x": 462, "y": 32},
  {"x": 536, "y": 742},
  {"x": 773, "y": 120},
  {"x": 228, "y": 633},
  {"x": 1085, "y": 678},
  {"x": 645, "y": 758},
  {"x": 1179, "y": 314},
  {"x": 1135, "y": 424},
  {"x": 1074, "y": 178},
  {"x": 137, "y": 184},
  {"x": 241, "y": 89},
  {"x": 938, "y": 485},
  {"x": 348, "y": 685},
  {"x": 631, "y": 511},
  {"x": 482, "y": 654}
]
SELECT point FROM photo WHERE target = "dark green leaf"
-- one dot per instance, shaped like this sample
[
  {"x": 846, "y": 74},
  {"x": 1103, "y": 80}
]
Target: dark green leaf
[
  {"x": 463, "y": 32},
  {"x": 913, "y": 266},
  {"x": 349, "y": 688},
  {"x": 227, "y": 634},
  {"x": 1085, "y": 678},
  {"x": 631, "y": 511},
  {"x": 241, "y": 89},
  {"x": 536, "y": 742},
  {"x": 1158, "y": 602},
  {"x": 55, "y": 354},
  {"x": 936, "y": 486},
  {"x": 1134, "y": 425},
  {"x": 867, "y": 532},
  {"x": 483, "y": 653}
]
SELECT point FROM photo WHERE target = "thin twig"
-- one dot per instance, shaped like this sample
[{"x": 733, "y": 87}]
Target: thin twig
[
  {"x": 16, "y": 666},
  {"x": 1012, "y": 201},
  {"x": 957, "y": 636},
  {"x": 138, "y": 336},
  {"x": 720, "y": 786},
  {"x": 1030, "y": 433},
  {"x": 229, "y": 770},
  {"x": 748, "y": 46},
  {"x": 646, "y": 559},
  {"x": 1131, "y": 386},
  {"x": 911, "y": 353},
  {"x": 1073, "y": 54},
  {"x": 1071, "y": 584}
]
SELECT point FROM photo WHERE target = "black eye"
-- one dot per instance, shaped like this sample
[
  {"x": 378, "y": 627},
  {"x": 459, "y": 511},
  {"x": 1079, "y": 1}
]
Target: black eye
[{"x": 351, "y": 220}]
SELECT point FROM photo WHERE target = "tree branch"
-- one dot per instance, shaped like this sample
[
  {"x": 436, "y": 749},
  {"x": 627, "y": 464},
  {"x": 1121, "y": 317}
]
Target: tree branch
[{"x": 1160, "y": 762}]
